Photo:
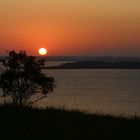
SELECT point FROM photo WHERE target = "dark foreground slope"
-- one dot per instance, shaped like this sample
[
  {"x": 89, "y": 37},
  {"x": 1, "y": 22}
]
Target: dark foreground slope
[{"x": 18, "y": 123}]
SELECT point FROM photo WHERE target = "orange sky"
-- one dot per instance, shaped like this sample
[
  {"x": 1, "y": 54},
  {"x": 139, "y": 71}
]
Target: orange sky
[{"x": 71, "y": 27}]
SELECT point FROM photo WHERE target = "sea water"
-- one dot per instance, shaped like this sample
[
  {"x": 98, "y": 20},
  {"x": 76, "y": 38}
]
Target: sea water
[{"x": 94, "y": 90}]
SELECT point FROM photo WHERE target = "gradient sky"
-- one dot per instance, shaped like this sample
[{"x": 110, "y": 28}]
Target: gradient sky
[{"x": 71, "y": 27}]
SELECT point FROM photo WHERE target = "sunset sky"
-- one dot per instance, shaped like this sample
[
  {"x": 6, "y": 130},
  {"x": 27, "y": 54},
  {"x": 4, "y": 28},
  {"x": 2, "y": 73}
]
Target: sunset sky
[{"x": 71, "y": 27}]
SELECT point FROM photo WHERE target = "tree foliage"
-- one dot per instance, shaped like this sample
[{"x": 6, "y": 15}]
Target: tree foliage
[{"x": 22, "y": 78}]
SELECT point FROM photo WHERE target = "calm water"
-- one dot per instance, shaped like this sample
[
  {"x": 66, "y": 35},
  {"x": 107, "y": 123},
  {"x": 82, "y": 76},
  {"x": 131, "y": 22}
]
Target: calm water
[{"x": 107, "y": 91}]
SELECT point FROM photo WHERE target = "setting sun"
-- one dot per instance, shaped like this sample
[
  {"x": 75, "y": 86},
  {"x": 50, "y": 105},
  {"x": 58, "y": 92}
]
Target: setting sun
[{"x": 42, "y": 51}]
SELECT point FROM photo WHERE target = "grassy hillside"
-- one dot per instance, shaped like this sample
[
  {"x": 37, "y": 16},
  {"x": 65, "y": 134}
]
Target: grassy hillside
[{"x": 20, "y": 123}]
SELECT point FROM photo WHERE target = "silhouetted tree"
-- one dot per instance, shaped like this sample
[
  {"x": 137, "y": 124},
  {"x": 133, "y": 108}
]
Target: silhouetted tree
[{"x": 22, "y": 78}]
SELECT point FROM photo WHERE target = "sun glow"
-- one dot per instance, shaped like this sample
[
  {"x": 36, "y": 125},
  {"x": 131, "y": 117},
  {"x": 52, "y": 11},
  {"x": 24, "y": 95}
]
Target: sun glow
[{"x": 43, "y": 51}]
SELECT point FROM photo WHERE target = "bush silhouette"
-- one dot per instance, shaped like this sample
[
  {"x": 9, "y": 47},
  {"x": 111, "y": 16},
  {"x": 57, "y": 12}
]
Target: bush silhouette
[{"x": 21, "y": 78}]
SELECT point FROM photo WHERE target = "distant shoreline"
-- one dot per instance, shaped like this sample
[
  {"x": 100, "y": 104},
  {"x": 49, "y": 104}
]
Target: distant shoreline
[{"x": 97, "y": 65}]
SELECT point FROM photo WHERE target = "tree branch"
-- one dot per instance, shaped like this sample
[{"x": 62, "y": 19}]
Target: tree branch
[{"x": 37, "y": 100}]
